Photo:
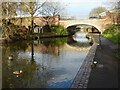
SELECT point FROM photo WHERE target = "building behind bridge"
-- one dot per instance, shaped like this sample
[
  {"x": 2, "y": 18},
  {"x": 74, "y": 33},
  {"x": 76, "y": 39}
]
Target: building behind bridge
[{"x": 112, "y": 15}]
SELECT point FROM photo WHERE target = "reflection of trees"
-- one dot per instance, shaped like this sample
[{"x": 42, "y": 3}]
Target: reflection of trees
[
  {"x": 17, "y": 46},
  {"x": 9, "y": 66},
  {"x": 32, "y": 75},
  {"x": 50, "y": 45},
  {"x": 36, "y": 71},
  {"x": 54, "y": 41},
  {"x": 32, "y": 52},
  {"x": 72, "y": 42}
]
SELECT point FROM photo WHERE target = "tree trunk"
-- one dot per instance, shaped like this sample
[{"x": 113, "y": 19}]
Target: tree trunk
[
  {"x": 21, "y": 21},
  {"x": 32, "y": 24}
]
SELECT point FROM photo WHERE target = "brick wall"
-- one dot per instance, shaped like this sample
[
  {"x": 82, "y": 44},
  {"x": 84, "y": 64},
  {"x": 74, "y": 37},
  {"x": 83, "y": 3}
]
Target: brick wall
[{"x": 26, "y": 21}]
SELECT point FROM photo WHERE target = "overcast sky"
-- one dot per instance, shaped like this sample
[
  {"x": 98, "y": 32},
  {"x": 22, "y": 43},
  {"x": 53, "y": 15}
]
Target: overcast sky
[{"x": 80, "y": 9}]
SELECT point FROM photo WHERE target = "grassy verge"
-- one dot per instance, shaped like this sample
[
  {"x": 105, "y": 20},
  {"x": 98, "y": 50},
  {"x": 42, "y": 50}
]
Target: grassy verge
[
  {"x": 112, "y": 32},
  {"x": 112, "y": 37}
]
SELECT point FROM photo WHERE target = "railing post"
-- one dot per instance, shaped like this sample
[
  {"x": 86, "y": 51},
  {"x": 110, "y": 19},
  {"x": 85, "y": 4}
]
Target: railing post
[{"x": 99, "y": 38}]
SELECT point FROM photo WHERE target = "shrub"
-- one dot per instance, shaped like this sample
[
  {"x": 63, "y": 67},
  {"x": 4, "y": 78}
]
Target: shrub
[
  {"x": 58, "y": 29},
  {"x": 13, "y": 32}
]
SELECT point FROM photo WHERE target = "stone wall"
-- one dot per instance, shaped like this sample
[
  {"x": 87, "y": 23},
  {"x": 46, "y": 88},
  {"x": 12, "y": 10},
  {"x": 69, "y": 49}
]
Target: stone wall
[{"x": 81, "y": 79}]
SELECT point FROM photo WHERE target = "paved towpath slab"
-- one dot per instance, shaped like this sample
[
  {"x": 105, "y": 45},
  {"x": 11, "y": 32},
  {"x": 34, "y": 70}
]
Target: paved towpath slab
[{"x": 106, "y": 73}]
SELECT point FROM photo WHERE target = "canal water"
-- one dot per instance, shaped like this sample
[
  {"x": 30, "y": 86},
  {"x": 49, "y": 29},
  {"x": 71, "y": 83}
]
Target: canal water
[{"x": 43, "y": 63}]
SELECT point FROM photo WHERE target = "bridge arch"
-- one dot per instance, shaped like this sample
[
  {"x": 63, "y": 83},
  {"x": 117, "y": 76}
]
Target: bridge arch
[
  {"x": 99, "y": 24},
  {"x": 89, "y": 24}
]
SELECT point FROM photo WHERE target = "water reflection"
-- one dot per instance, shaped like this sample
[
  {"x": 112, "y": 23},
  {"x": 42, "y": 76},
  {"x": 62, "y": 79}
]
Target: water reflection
[{"x": 48, "y": 62}]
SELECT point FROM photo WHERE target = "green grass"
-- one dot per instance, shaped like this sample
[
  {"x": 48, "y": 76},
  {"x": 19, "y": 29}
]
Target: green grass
[
  {"x": 112, "y": 37},
  {"x": 112, "y": 32}
]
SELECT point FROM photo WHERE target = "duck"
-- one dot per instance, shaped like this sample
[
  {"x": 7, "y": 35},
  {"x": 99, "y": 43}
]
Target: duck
[
  {"x": 10, "y": 57},
  {"x": 18, "y": 72}
]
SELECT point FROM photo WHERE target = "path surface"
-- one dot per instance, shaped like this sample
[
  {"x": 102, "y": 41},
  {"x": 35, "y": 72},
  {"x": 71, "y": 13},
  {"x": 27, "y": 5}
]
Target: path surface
[{"x": 105, "y": 74}]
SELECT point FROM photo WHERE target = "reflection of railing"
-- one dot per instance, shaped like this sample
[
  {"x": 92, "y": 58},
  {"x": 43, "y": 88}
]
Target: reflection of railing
[{"x": 100, "y": 39}]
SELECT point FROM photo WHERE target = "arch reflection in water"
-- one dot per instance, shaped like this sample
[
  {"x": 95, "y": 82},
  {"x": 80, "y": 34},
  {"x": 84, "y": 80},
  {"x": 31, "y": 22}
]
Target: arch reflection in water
[{"x": 82, "y": 37}]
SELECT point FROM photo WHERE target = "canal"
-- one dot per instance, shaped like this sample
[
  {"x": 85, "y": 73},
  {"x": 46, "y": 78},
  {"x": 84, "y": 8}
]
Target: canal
[{"x": 43, "y": 63}]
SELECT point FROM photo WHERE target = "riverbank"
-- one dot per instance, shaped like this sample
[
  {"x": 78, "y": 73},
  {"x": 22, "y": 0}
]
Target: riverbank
[
  {"x": 105, "y": 74},
  {"x": 112, "y": 33},
  {"x": 3, "y": 40},
  {"x": 48, "y": 35}
]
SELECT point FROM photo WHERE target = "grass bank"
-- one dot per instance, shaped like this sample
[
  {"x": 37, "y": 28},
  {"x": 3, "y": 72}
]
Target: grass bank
[{"x": 112, "y": 32}]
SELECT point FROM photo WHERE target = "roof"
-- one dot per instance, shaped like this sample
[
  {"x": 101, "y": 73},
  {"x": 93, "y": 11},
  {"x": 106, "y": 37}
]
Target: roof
[{"x": 103, "y": 14}]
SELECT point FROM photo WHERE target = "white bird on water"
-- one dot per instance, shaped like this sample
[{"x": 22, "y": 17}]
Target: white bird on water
[{"x": 10, "y": 57}]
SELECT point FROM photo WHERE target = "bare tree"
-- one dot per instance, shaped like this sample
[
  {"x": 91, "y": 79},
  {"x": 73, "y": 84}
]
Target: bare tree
[
  {"x": 51, "y": 8},
  {"x": 116, "y": 11},
  {"x": 31, "y": 8},
  {"x": 9, "y": 10},
  {"x": 51, "y": 11},
  {"x": 97, "y": 11}
]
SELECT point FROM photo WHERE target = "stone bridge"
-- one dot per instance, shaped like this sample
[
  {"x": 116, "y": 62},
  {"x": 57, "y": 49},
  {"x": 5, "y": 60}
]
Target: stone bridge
[{"x": 100, "y": 24}]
